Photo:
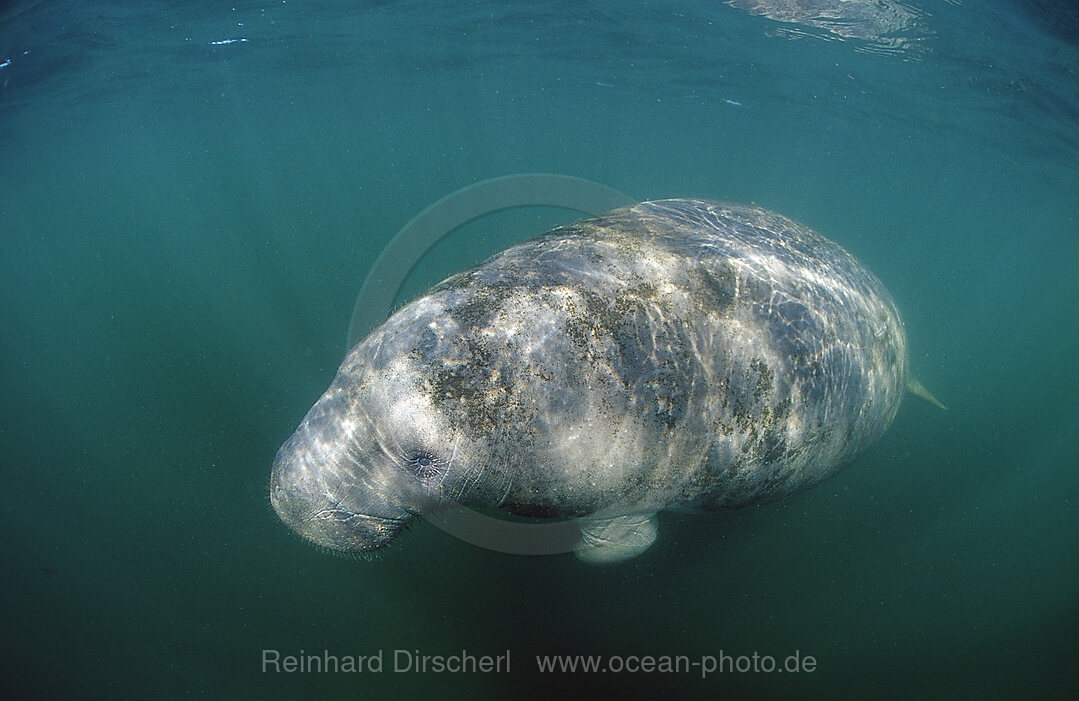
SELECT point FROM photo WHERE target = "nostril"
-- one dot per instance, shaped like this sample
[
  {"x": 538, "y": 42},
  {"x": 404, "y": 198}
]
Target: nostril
[{"x": 424, "y": 464}]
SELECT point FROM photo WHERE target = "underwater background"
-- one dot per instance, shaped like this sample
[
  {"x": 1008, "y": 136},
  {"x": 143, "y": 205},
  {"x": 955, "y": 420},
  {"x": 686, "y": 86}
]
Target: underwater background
[{"x": 191, "y": 195}]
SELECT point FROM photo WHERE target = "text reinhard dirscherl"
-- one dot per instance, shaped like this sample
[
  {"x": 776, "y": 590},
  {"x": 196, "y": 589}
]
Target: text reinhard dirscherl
[
  {"x": 466, "y": 662},
  {"x": 401, "y": 661}
]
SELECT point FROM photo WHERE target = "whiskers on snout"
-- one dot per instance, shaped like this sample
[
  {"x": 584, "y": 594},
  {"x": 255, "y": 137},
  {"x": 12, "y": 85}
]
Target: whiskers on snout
[{"x": 354, "y": 555}]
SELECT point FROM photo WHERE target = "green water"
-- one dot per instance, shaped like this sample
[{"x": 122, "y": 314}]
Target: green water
[{"x": 185, "y": 226}]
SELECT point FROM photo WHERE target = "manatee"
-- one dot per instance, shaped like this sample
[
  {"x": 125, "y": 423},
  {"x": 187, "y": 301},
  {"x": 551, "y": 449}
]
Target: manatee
[{"x": 676, "y": 354}]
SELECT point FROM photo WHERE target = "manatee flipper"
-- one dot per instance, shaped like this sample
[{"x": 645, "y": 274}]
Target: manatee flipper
[
  {"x": 615, "y": 539},
  {"x": 918, "y": 390}
]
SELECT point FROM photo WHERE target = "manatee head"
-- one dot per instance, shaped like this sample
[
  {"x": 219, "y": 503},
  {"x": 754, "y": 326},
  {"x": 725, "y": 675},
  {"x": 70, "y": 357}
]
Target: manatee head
[{"x": 370, "y": 455}]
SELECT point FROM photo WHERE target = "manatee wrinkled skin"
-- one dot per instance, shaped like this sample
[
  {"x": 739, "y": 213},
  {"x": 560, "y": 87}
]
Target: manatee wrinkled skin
[{"x": 680, "y": 354}]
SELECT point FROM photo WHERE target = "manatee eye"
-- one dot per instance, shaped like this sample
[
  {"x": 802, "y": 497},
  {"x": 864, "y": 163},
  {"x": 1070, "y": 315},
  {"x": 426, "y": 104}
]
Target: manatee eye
[{"x": 424, "y": 464}]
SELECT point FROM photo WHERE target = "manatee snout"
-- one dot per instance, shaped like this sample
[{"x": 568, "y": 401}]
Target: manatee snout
[{"x": 326, "y": 492}]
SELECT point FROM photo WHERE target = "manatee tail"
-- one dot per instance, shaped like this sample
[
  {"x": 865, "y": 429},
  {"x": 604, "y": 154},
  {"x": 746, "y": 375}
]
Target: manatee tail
[{"x": 918, "y": 390}]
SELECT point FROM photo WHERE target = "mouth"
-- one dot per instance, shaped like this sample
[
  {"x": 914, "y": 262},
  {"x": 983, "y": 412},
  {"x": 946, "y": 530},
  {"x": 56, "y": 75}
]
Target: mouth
[
  {"x": 341, "y": 529},
  {"x": 336, "y": 527}
]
